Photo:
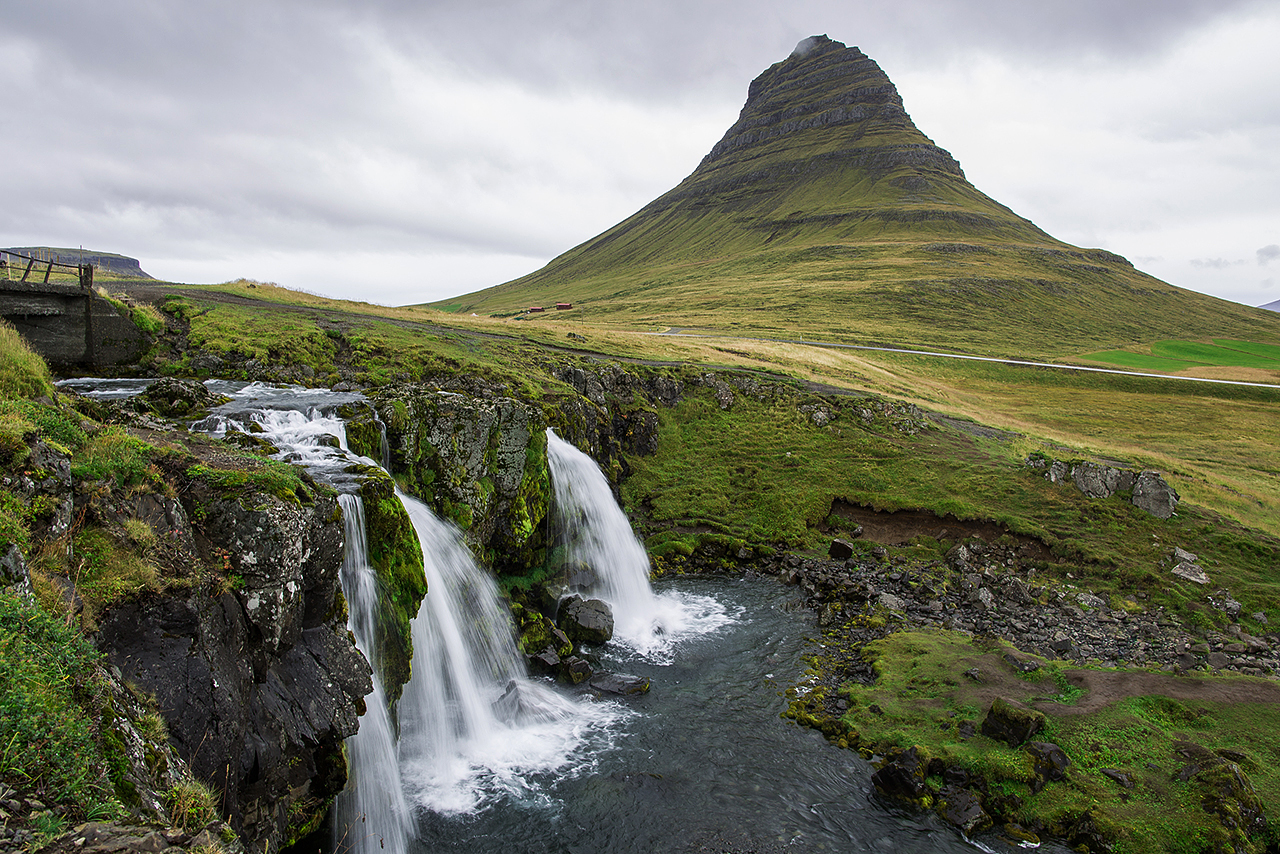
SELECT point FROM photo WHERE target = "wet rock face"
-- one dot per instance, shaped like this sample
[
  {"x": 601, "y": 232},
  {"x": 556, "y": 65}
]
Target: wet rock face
[
  {"x": 478, "y": 462},
  {"x": 260, "y": 685},
  {"x": 586, "y": 620}
]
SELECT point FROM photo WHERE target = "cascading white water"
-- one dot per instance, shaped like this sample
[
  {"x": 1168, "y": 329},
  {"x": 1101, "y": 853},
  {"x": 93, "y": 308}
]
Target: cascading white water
[
  {"x": 472, "y": 726},
  {"x": 371, "y": 813},
  {"x": 599, "y": 535}
]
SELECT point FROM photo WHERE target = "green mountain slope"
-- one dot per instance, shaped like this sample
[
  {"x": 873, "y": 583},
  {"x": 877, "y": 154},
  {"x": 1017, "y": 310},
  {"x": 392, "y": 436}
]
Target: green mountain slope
[{"x": 825, "y": 212}]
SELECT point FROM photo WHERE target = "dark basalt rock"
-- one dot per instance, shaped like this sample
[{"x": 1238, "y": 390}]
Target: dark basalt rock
[
  {"x": 575, "y": 670},
  {"x": 586, "y": 620},
  {"x": 259, "y": 686},
  {"x": 622, "y": 684},
  {"x": 903, "y": 775},
  {"x": 1011, "y": 722},
  {"x": 962, "y": 809},
  {"x": 840, "y": 550},
  {"x": 175, "y": 398},
  {"x": 1049, "y": 759}
]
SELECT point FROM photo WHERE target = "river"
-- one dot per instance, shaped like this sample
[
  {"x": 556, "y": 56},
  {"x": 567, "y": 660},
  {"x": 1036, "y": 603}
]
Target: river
[{"x": 703, "y": 762}]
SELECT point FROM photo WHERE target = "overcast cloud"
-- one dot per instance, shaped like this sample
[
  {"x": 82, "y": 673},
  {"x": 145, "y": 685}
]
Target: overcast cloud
[{"x": 401, "y": 151}]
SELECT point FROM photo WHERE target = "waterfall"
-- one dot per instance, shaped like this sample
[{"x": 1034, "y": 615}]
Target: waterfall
[
  {"x": 371, "y": 813},
  {"x": 473, "y": 727},
  {"x": 599, "y": 535}
]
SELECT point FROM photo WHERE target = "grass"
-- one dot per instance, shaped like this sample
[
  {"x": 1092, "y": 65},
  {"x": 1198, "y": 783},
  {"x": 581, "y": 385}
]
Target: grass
[
  {"x": 50, "y": 703},
  {"x": 23, "y": 374},
  {"x": 1178, "y": 355},
  {"x": 922, "y": 697}
]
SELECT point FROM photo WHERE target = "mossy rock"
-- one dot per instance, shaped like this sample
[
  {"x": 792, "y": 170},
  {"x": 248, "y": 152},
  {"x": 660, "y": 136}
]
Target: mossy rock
[
  {"x": 396, "y": 557},
  {"x": 364, "y": 433},
  {"x": 1012, "y": 723},
  {"x": 536, "y": 633}
]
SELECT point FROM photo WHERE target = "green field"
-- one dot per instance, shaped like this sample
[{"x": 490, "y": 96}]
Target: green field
[{"x": 1172, "y": 356}]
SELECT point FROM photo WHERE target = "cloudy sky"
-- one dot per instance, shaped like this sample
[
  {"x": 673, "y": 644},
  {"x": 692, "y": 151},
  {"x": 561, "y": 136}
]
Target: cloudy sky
[{"x": 401, "y": 151}]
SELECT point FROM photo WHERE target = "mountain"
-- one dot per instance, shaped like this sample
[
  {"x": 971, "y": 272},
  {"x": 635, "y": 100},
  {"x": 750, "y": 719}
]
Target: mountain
[
  {"x": 1272, "y": 306},
  {"x": 825, "y": 212}
]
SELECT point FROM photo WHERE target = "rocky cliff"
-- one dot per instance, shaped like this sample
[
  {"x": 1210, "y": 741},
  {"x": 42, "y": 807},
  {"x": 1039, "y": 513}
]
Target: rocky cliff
[{"x": 209, "y": 580}]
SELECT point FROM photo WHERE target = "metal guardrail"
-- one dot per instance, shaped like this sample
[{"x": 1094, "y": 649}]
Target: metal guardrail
[{"x": 82, "y": 272}]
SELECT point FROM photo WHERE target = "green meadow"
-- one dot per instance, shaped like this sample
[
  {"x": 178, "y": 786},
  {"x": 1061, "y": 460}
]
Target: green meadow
[{"x": 1172, "y": 356}]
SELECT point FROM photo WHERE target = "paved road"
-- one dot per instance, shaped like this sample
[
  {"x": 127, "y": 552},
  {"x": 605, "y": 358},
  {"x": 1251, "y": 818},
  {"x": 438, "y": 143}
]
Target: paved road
[{"x": 678, "y": 332}]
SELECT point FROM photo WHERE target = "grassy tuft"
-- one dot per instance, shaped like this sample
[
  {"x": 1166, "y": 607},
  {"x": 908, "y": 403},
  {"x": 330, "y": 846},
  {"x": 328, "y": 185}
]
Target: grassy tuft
[{"x": 23, "y": 374}]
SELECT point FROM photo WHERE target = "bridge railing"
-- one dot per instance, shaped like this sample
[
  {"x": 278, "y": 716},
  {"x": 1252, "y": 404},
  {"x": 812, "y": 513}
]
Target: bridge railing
[{"x": 27, "y": 269}]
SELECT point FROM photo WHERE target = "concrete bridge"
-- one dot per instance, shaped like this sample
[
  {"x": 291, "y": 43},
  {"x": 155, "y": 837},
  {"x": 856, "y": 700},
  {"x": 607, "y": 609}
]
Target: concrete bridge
[{"x": 64, "y": 319}]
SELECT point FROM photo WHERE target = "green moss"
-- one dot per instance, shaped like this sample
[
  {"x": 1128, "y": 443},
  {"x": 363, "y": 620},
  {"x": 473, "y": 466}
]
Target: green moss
[
  {"x": 535, "y": 632},
  {"x": 396, "y": 557},
  {"x": 364, "y": 435},
  {"x": 270, "y": 476}
]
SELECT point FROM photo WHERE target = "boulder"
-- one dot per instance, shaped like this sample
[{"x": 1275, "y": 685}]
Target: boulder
[
  {"x": 840, "y": 550},
  {"x": 1099, "y": 481},
  {"x": 575, "y": 670},
  {"x": 962, "y": 809},
  {"x": 622, "y": 684},
  {"x": 176, "y": 398},
  {"x": 586, "y": 620},
  {"x": 1152, "y": 494},
  {"x": 1012, "y": 722},
  {"x": 1049, "y": 760},
  {"x": 903, "y": 775}
]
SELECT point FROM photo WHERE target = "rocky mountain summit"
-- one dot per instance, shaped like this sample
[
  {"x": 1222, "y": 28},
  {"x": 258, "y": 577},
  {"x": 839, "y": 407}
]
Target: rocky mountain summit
[{"x": 824, "y": 210}]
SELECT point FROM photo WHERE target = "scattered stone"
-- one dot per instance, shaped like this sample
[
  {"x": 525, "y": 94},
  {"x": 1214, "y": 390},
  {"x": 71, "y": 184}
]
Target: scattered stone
[{"x": 1185, "y": 566}]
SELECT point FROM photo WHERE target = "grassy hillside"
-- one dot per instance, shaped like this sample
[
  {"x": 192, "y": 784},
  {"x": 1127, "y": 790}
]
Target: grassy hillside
[{"x": 825, "y": 212}]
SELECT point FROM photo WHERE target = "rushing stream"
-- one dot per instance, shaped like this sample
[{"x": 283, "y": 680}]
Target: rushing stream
[{"x": 487, "y": 759}]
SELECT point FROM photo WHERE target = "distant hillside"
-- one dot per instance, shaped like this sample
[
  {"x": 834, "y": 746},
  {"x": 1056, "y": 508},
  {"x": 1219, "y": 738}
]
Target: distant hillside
[
  {"x": 825, "y": 212},
  {"x": 103, "y": 262},
  {"x": 1272, "y": 306}
]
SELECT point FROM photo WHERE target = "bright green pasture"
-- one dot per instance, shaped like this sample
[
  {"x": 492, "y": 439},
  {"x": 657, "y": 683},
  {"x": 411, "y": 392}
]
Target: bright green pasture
[{"x": 1176, "y": 355}]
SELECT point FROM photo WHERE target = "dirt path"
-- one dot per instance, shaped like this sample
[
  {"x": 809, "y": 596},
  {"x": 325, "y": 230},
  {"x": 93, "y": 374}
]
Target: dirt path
[{"x": 1104, "y": 687}]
